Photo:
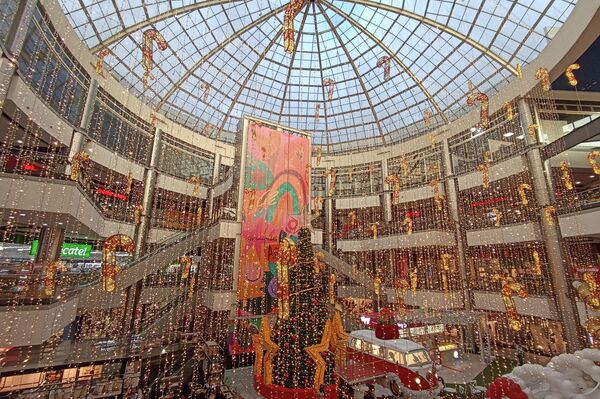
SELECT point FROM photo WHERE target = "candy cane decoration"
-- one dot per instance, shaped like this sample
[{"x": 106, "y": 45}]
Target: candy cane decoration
[
  {"x": 404, "y": 165},
  {"x": 199, "y": 214},
  {"x": 520, "y": 71},
  {"x": 332, "y": 182},
  {"x": 149, "y": 37},
  {"x": 408, "y": 223},
  {"x": 427, "y": 114},
  {"x": 414, "y": 280},
  {"x": 78, "y": 161},
  {"x": 196, "y": 181},
  {"x": 471, "y": 95},
  {"x": 537, "y": 263},
  {"x": 566, "y": 175},
  {"x": 138, "y": 212},
  {"x": 129, "y": 184},
  {"x": 331, "y": 85},
  {"x": 549, "y": 214},
  {"x": 319, "y": 155},
  {"x": 484, "y": 108},
  {"x": 484, "y": 168},
  {"x": 351, "y": 174},
  {"x": 109, "y": 258},
  {"x": 592, "y": 160},
  {"x": 570, "y": 75},
  {"x": 497, "y": 215},
  {"x": 385, "y": 63},
  {"x": 436, "y": 194},
  {"x": 288, "y": 24},
  {"x": 521, "y": 189},
  {"x": 205, "y": 91},
  {"x": 508, "y": 110},
  {"x": 394, "y": 182},
  {"x": 100, "y": 61},
  {"x": 317, "y": 111},
  {"x": 186, "y": 263},
  {"x": 374, "y": 229},
  {"x": 543, "y": 75},
  {"x": 510, "y": 287}
]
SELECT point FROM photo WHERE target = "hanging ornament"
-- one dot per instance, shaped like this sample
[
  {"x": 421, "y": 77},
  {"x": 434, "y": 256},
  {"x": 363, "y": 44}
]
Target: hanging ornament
[
  {"x": 205, "y": 91},
  {"x": 138, "y": 212},
  {"x": 543, "y": 75},
  {"x": 570, "y": 75},
  {"x": 408, "y": 224},
  {"x": 520, "y": 71},
  {"x": 588, "y": 291},
  {"x": 374, "y": 229},
  {"x": 352, "y": 218},
  {"x": 439, "y": 200},
  {"x": 351, "y": 175},
  {"x": 508, "y": 110},
  {"x": 427, "y": 117},
  {"x": 288, "y": 24},
  {"x": 521, "y": 189},
  {"x": 385, "y": 63},
  {"x": 433, "y": 138},
  {"x": 401, "y": 286},
  {"x": 484, "y": 168},
  {"x": 332, "y": 289},
  {"x": 484, "y": 108},
  {"x": 592, "y": 160},
  {"x": 317, "y": 205},
  {"x": 510, "y": 287},
  {"x": 566, "y": 175},
  {"x": 549, "y": 214},
  {"x": 129, "y": 185},
  {"x": 414, "y": 280},
  {"x": 109, "y": 258},
  {"x": 100, "y": 61},
  {"x": 78, "y": 162},
  {"x": 404, "y": 165},
  {"x": 377, "y": 285},
  {"x": 330, "y": 84},
  {"x": 317, "y": 111},
  {"x": 148, "y": 38},
  {"x": 196, "y": 181},
  {"x": 497, "y": 216},
  {"x": 537, "y": 263},
  {"x": 319, "y": 155},
  {"x": 394, "y": 183},
  {"x": 532, "y": 132},
  {"x": 332, "y": 182}
]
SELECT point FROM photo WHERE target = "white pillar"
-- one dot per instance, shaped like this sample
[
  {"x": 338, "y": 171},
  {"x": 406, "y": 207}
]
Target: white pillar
[{"x": 386, "y": 197}]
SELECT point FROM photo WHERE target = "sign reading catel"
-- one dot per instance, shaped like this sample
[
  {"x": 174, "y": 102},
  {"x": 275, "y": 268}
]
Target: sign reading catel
[{"x": 69, "y": 250}]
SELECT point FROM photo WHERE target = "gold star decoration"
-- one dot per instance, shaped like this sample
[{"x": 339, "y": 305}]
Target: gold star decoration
[
  {"x": 314, "y": 352},
  {"x": 340, "y": 338},
  {"x": 263, "y": 338}
]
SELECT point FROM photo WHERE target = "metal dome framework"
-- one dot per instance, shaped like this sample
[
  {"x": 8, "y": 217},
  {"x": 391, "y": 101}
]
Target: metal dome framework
[{"x": 236, "y": 47}]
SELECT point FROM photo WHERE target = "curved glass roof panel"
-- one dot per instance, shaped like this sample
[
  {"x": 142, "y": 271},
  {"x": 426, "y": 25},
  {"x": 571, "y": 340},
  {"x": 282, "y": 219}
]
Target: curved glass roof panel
[{"x": 225, "y": 58}]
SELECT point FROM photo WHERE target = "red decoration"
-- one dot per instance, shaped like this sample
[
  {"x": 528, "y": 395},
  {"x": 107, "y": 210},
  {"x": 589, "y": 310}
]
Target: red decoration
[{"x": 503, "y": 387}]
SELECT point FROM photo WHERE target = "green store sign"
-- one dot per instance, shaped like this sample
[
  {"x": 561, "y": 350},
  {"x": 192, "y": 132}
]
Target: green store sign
[{"x": 69, "y": 250}]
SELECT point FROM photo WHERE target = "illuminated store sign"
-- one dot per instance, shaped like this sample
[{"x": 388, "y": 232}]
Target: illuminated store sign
[{"x": 69, "y": 250}]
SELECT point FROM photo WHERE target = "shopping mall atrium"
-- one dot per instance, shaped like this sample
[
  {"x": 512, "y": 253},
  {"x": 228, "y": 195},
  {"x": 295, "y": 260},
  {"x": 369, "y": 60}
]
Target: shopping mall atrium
[{"x": 300, "y": 199}]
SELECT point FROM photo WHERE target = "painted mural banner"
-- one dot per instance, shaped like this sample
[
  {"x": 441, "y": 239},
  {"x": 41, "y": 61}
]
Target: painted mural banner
[{"x": 275, "y": 206}]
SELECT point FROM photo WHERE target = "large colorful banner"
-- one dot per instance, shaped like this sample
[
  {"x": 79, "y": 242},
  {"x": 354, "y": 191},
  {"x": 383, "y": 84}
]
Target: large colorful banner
[{"x": 275, "y": 207}]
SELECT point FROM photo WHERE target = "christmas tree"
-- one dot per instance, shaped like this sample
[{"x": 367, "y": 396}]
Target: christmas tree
[{"x": 303, "y": 294}]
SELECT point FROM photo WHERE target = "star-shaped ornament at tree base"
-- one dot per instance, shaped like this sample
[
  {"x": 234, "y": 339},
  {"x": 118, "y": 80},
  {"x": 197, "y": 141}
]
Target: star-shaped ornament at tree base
[
  {"x": 314, "y": 352},
  {"x": 260, "y": 340}
]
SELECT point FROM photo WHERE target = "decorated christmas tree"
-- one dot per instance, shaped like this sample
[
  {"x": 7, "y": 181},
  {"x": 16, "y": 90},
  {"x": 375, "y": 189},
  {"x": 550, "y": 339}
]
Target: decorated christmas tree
[{"x": 303, "y": 316}]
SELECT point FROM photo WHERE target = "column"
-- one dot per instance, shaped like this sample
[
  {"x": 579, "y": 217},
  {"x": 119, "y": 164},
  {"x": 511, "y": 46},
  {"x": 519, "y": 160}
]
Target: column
[
  {"x": 551, "y": 234},
  {"x": 79, "y": 137},
  {"x": 451, "y": 191},
  {"x": 50, "y": 244},
  {"x": 14, "y": 44},
  {"x": 386, "y": 197},
  {"x": 328, "y": 243},
  {"x": 149, "y": 184},
  {"x": 211, "y": 194}
]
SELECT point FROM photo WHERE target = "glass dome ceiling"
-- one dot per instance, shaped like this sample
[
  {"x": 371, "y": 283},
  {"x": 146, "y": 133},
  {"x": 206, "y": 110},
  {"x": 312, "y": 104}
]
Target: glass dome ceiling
[{"x": 236, "y": 49}]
